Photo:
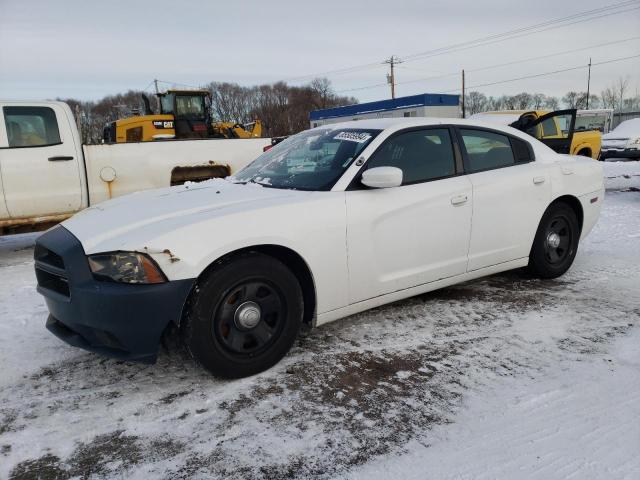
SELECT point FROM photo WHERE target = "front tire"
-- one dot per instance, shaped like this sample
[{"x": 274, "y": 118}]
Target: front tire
[
  {"x": 556, "y": 242},
  {"x": 244, "y": 316}
]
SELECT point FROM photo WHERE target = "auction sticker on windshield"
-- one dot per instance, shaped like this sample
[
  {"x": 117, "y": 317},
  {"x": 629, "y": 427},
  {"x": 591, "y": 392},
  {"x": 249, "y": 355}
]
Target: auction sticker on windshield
[{"x": 359, "y": 137}]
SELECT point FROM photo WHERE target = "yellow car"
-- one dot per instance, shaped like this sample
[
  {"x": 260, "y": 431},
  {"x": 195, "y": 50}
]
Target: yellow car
[{"x": 556, "y": 129}]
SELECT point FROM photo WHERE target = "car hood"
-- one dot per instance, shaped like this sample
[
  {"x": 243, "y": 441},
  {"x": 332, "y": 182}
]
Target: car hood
[
  {"x": 626, "y": 130},
  {"x": 108, "y": 225}
]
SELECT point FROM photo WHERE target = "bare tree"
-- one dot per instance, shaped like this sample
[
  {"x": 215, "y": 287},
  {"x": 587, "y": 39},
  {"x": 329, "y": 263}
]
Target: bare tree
[
  {"x": 620, "y": 88},
  {"x": 493, "y": 103},
  {"x": 522, "y": 100},
  {"x": 476, "y": 102},
  {"x": 231, "y": 102},
  {"x": 92, "y": 117},
  {"x": 323, "y": 90},
  {"x": 538, "y": 100},
  {"x": 508, "y": 103},
  {"x": 552, "y": 103},
  {"x": 633, "y": 103},
  {"x": 594, "y": 101},
  {"x": 571, "y": 99},
  {"x": 608, "y": 97}
]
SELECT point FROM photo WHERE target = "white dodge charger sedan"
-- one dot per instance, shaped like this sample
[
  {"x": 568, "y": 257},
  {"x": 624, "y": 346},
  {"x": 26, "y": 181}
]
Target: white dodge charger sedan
[{"x": 330, "y": 222}]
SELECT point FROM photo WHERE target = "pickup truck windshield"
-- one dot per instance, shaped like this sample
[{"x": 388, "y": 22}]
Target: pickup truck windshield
[{"x": 312, "y": 160}]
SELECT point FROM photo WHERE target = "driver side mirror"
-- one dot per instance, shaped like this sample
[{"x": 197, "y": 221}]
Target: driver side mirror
[{"x": 382, "y": 177}]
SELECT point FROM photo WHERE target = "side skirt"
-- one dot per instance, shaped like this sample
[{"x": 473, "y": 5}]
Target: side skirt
[{"x": 417, "y": 290}]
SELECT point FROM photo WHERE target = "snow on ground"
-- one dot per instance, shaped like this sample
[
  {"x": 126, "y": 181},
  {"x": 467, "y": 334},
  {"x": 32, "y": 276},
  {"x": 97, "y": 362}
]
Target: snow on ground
[
  {"x": 578, "y": 422},
  {"x": 504, "y": 377}
]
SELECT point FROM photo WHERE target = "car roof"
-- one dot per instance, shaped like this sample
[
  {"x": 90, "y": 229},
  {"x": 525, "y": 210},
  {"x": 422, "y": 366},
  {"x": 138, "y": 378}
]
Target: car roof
[{"x": 402, "y": 122}]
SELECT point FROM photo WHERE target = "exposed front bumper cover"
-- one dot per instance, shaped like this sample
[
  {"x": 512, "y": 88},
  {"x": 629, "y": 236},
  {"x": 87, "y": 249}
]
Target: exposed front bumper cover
[{"x": 118, "y": 320}]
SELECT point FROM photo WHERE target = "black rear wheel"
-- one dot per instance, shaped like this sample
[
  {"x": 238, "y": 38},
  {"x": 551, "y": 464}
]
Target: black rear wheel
[
  {"x": 556, "y": 242},
  {"x": 244, "y": 316}
]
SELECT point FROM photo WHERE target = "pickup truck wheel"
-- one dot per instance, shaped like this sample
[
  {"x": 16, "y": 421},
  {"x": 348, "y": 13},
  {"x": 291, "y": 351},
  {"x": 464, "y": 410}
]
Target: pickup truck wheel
[
  {"x": 244, "y": 316},
  {"x": 556, "y": 242}
]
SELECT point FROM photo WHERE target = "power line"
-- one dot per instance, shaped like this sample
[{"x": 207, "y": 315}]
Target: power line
[
  {"x": 147, "y": 87},
  {"x": 523, "y": 34},
  {"x": 516, "y": 33},
  {"x": 555, "y": 54},
  {"x": 536, "y": 75},
  {"x": 520, "y": 32},
  {"x": 498, "y": 65}
]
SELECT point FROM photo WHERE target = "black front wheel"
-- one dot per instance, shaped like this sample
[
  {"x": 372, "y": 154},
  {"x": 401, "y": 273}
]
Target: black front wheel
[
  {"x": 244, "y": 316},
  {"x": 556, "y": 242}
]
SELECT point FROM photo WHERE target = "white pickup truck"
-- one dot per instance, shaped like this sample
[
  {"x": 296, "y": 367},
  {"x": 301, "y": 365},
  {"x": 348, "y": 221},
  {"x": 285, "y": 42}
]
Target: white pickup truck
[{"x": 47, "y": 175}]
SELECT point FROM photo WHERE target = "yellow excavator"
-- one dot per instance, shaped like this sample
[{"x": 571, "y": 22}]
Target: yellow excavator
[{"x": 183, "y": 114}]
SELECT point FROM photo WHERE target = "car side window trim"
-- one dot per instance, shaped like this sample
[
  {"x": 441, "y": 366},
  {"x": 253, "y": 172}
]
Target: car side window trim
[
  {"x": 465, "y": 157},
  {"x": 457, "y": 155}
]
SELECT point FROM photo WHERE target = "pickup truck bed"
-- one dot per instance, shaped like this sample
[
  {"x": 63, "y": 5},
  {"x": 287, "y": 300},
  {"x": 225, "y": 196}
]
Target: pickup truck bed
[{"x": 47, "y": 175}]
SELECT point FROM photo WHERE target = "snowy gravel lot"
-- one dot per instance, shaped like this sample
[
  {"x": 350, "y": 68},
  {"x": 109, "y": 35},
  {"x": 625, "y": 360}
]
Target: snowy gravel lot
[{"x": 505, "y": 377}]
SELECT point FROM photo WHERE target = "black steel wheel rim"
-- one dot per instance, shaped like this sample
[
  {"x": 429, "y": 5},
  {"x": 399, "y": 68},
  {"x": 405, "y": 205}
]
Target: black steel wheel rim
[
  {"x": 558, "y": 243},
  {"x": 245, "y": 339}
]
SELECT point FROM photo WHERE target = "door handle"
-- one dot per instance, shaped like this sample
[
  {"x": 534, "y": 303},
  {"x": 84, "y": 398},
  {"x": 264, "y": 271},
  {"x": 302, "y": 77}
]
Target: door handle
[
  {"x": 459, "y": 200},
  {"x": 60, "y": 158},
  {"x": 538, "y": 180}
]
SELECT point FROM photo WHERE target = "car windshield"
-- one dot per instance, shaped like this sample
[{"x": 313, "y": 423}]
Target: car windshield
[{"x": 311, "y": 160}]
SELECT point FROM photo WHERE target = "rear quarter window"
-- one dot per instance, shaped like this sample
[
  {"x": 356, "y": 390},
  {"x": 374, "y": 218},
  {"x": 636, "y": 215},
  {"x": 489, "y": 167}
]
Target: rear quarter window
[{"x": 522, "y": 150}]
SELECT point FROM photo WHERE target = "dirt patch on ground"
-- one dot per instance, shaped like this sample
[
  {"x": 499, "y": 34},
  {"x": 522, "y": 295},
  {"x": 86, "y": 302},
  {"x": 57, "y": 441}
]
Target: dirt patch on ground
[
  {"x": 101, "y": 457},
  {"x": 366, "y": 404}
]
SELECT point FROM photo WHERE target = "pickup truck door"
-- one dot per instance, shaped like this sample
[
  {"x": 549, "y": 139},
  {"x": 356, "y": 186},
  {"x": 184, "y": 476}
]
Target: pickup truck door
[
  {"x": 40, "y": 161},
  {"x": 555, "y": 129},
  {"x": 416, "y": 233}
]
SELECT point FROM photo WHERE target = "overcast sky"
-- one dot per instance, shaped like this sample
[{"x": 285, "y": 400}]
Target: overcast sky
[{"x": 87, "y": 49}]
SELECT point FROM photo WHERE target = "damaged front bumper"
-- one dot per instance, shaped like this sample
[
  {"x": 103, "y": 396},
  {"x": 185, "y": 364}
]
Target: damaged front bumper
[{"x": 123, "y": 321}]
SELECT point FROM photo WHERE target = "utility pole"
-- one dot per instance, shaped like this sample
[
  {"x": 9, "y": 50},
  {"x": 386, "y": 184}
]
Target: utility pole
[
  {"x": 155, "y": 82},
  {"x": 463, "y": 95},
  {"x": 391, "y": 79},
  {"x": 588, "y": 82}
]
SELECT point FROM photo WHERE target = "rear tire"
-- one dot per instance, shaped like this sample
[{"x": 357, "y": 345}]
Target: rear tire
[
  {"x": 244, "y": 316},
  {"x": 556, "y": 242}
]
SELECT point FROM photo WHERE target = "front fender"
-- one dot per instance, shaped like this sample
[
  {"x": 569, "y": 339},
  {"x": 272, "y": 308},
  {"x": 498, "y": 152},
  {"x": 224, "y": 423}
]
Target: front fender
[{"x": 315, "y": 232}]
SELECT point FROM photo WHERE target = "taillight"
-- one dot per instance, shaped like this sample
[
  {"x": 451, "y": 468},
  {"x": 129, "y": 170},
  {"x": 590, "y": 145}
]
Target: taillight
[
  {"x": 198, "y": 127},
  {"x": 267, "y": 148}
]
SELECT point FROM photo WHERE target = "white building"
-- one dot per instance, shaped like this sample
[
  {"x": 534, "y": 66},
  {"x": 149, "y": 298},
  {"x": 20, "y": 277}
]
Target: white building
[{"x": 422, "y": 105}]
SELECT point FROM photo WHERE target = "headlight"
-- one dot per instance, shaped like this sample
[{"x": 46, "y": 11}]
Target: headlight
[
  {"x": 125, "y": 267},
  {"x": 636, "y": 141}
]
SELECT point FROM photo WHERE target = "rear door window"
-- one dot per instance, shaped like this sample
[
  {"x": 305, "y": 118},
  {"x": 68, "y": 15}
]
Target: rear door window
[
  {"x": 31, "y": 126},
  {"x": 486, "y": 150}
]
